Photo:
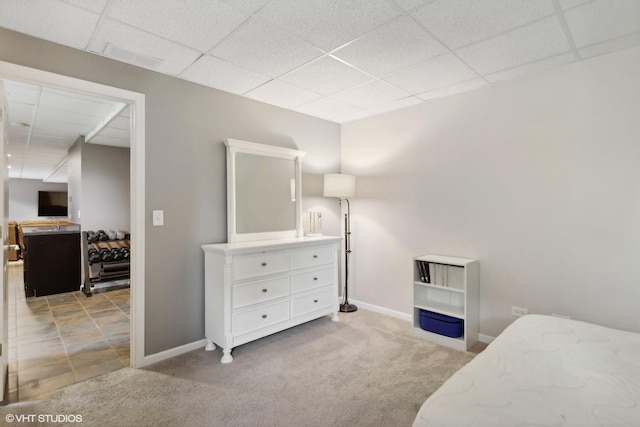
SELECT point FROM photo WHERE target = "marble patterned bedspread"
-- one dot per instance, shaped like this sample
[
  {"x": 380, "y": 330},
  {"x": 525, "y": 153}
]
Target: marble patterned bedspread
[{"x": 544, "y": 371}]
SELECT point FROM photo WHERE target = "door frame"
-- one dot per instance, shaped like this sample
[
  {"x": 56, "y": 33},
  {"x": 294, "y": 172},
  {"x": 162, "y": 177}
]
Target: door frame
[{"x": 16, "y": 72}]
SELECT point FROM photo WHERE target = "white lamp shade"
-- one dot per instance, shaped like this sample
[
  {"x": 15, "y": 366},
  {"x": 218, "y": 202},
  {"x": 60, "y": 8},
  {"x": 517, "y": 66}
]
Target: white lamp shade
[{"x": 339, "y": 185}]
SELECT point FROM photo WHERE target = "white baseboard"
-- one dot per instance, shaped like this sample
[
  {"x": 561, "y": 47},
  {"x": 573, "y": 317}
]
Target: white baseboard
[
  {"x": 382, "y": 310},
  {"x": 485, "y": 338},
  {"x": 172, "y": 352}
]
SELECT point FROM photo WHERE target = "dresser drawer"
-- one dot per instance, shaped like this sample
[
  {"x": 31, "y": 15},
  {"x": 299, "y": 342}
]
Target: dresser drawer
[
  {"x": 257, "y": 292},
  {"x": 312, "y": 279},
  {"x": 254, "y": 265},
  {"x": 309, "y": 257},
  {"x": 260, "y": 317},
  {"x": 303, "y": 304}
]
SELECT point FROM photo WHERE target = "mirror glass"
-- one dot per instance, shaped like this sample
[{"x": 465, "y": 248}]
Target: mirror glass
[
  {"x": 263, "y": 192},
  {"x": 264, "y": 199}
]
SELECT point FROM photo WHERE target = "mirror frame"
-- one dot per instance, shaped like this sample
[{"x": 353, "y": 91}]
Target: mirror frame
[{"x": 234, "y": 147}]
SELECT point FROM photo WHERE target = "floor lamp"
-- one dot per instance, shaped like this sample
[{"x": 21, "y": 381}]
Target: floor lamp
[{"x": 343, "y": 186}]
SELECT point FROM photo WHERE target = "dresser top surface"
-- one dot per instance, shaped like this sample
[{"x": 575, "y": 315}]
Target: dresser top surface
[{"x": 239, "y": 247}]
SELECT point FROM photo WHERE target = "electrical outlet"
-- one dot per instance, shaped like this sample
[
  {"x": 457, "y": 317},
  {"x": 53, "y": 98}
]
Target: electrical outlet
[{"x": 519, "y": 311}]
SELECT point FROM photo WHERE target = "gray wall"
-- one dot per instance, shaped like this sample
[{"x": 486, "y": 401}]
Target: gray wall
[
  {"x": 185, "y": 171},
  {"x": 105, "y": 188},
  {"x": 23, "y": 197},
  {"x": 537, "y": 178},
  {"x": 74, "y": 179}
]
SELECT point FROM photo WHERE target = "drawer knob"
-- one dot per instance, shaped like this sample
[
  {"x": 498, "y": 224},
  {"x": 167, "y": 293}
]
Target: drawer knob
[
  {"x": 264, "y": 264},
  {"x": 315, "y": 278},
  {"x": 315, "y": 300},
  {"x": 264, "y": 290},
  {"x": 315, "y": 256},
  {"x": 264, "y": 316}
]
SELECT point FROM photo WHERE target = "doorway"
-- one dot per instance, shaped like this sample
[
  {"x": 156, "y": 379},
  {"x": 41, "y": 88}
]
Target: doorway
[{"x": 137, "y": 218}]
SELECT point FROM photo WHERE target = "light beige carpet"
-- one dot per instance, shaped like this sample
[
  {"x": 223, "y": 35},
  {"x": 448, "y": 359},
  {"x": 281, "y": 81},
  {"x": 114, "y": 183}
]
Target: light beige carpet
[{"x": 366, "y": 370}]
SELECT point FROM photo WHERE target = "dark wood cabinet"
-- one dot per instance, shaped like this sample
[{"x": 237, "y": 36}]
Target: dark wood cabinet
[{"x": 52, "y": 262}]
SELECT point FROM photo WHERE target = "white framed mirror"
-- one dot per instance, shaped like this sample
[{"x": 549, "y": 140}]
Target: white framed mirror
[{"x": 264, "y": 191}]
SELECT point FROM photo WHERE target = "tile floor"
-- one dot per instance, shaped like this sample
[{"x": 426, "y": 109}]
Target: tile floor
[{"x": 62, "y": 339}]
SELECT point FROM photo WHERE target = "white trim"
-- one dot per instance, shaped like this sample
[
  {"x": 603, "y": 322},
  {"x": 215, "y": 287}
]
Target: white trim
[
  {"x": 383, "y": 310},
  {"x": 486, "y": 339},
  {"x": 172, "y": 352},
  {"x": 137, "y": 179}
]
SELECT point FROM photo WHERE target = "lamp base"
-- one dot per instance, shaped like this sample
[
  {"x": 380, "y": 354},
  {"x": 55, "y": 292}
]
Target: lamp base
[{"x": 348, "y": 308}]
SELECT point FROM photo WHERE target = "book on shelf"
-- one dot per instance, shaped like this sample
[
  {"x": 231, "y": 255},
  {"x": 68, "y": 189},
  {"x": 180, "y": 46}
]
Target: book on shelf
[{"x": 423, "y": 271}]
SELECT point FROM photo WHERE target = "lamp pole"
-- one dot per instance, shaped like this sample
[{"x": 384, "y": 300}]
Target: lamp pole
[{"x": 345, "y": 307}]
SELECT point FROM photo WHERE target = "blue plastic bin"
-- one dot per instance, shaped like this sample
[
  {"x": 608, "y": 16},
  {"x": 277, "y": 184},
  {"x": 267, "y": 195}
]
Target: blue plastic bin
[{"x": 441, "y": 324}]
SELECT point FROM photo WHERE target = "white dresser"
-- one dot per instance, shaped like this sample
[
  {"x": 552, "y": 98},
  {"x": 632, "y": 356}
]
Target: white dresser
[{"x": 257, "y": 288}]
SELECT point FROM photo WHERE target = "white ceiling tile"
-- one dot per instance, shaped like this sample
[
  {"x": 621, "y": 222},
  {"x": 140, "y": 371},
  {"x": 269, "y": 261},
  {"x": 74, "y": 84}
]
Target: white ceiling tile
[
  {"x": 328, "y": 24},
  {"x": 457, "y": 23},
  {"x": 120, "y": 122},
  {"x": 434, "y": 73},
  {"x": 328, "y": 108},
  {"x": 248, "y": 6},
  {"x": 568, "y": 4},
  {"x": 219, "y": 74},
  {"x": 21, "y": 92},
  {"x": 198, "y": 24},
  {"x": 353, "y": 117},
  {"x": 396, "y": 105},
  {"x": 603, "y": 20},
  {"x": 50, "y": 20},
  {"x": 534, "y": 68},
  {"x": 454, "y": 89},
  {"x": 283, "y": 94},
  {"x": 96, "y": 6},
  {"x": 412, "y": 4},
  {"x": 614, "y": 45},
  {"x": 395, "y": 45},
  {"x": 370, "y": 94},
  {"x": 175, "y": 58},
  {"x": 20, "y": 113},
  {"x": 260, "y": 47},
  {"x": 326, "y": 76},
  {"x": 526, "y": 44},
  {"x": 76, "y": 103},
  {"x": 112, "y": 132}
]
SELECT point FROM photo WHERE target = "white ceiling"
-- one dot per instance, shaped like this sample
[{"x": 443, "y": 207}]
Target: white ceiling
[
  {"x": 339, "y": 60},
  {"x": 45, "y": 122}
]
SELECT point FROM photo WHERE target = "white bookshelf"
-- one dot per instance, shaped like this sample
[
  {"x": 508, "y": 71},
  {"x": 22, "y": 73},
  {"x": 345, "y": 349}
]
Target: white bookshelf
[{"x": 452, "y": 292}]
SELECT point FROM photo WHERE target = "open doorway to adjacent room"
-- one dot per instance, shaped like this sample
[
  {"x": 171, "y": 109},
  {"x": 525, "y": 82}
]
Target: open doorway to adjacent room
[{"x": 70, "y": 335}]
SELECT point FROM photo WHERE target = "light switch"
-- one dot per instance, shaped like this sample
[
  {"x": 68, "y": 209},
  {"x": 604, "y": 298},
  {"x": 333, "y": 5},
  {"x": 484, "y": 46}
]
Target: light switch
[{"x": 158, "y": 218}]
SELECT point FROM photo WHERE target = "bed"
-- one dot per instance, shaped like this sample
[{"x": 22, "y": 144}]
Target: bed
[{"x": 544, "y": 371}]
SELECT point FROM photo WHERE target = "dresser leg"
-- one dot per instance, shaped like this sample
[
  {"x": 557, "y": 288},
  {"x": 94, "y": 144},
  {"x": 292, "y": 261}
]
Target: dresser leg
[
  {"x": 226, "y": 356},
  {"x": 210, "y": 345},
  {"x": 335, "y": 317}
]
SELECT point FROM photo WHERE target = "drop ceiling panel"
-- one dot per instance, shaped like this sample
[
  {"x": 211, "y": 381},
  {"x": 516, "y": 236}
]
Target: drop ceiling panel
[
  {"x": 603, "y": 20},
  {"x": 21, "y": 92},
  {"x": 120, "y": 122},
  {"x": 458, "y": 23},
  {"x": 412, "y": 4},
  {"x": 395, "y": 105},
  {"x": 370, "y": 94},
  {"x": 111, "y": 131},
  {"x": 96, "y": 6},
  {"x": 21, "y": 113},
  {"x": 175, "y": 58},
  {"x": 328, "y": 24},
  {"x": 282, "y": 94},
  {"x": 526, "y": 44},
  {"x": 194, "y": 23},
  {"x": 74, "y": 103},
  {"x": 328, "y": 108},
  {"x": 532, "y": 68},
  {"x": 434, "y": 73},
  {"x": 395, "y": 45},
  {"x": 568, "y": 4},
  {"x": 265, "y": 49},
  {"x": 614, "y": 45},
  {"x": 326, "y": 76},
  {"x": 454, "y": 89},
  {"x": 52, "y": 20},
  {"x": 248, "y": 6},
  {"x": 214, "y": 72}
]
